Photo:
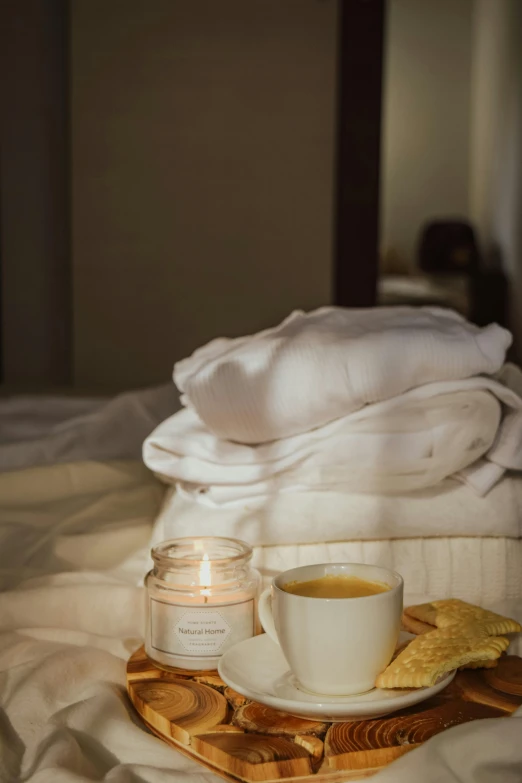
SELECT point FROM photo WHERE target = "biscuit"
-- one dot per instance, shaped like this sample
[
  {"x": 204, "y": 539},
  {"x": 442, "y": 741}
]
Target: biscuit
[
  {"x": 412, "y": 625},
  {"x": 479, "y": 665},
  {"x": 454, "y": 612},
  {"x": 437, "y": 652}
]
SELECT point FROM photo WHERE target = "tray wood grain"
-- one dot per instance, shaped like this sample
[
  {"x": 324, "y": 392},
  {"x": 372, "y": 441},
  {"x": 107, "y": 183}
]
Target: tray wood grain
[{"x": 196, "y": 713}]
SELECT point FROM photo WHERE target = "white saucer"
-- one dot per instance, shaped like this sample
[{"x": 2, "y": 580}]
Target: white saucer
[{"x": 257, "y": 669}]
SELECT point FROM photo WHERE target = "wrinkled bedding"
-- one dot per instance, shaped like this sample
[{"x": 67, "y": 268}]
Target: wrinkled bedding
[
  {"x": 73, "y": 549},
  {"x": 47, "y": 430}
]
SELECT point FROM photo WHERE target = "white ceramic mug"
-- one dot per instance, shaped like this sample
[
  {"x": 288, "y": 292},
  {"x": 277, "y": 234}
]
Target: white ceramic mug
[{"x": 334, "y": 646}]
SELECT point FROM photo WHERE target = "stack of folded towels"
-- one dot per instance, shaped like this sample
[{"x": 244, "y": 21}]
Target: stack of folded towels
[
  {"x": 339, "y": 403},
  {"x": 381, "y": 400}
]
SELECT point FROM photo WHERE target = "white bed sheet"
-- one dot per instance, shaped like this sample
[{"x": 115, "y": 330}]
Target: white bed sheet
[
  {"x": 33, "y": 417},
  {"x": 73, "y": 547},
  {"x": 46, "y": 430}
]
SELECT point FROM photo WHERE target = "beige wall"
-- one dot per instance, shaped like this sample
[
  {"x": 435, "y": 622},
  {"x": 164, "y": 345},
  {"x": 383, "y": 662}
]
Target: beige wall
[
  {"x": 489, "y": 98},
  {"x": 202, "y": 153},
  {"x": 496, "y": 140},
  {"x": 426, "y": 117}
]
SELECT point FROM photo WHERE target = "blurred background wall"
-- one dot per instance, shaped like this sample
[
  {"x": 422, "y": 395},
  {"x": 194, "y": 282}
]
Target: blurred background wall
[
  {"x": 35, "y": 261},
  {"x": 426, "y": 118},
  {"x": 496, "y": 142},
  {"x": 202, "y": 162},
  {"x": 168, "y": 171}
]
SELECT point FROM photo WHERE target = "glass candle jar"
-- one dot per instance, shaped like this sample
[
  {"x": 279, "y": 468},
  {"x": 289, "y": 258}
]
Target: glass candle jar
[{"x": 202, "y": 598}]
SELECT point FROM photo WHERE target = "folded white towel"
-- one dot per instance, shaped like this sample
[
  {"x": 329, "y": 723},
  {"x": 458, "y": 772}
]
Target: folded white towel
[
  {"x": 400, "y": 445},
  {"x": 317, "y": 367},
  {"x": 449, "y": 509}
]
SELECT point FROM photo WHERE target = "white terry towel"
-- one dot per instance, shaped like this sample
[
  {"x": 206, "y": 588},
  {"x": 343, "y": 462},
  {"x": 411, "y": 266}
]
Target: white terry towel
[
  {"x": 449, "y": 509},
  {"x": 317, "y": 367},
  {"x": 396, "y": 446}
]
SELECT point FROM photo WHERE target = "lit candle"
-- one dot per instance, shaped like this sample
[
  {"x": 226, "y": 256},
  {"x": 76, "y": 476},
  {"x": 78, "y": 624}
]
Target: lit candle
[
  {"x": 202, "y": 599},
  {"x": 204, "y": 572}
]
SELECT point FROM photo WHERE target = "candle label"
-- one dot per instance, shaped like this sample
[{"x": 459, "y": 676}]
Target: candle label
[{"x": 199, "y": 632}]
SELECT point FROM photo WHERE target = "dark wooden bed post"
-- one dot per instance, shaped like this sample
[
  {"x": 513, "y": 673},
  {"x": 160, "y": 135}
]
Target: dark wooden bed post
[{"x": 361, "y": 45}]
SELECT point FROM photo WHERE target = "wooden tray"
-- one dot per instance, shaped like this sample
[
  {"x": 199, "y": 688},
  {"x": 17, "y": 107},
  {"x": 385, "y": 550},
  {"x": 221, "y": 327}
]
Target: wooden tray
[{"x": 200, "y": 716}]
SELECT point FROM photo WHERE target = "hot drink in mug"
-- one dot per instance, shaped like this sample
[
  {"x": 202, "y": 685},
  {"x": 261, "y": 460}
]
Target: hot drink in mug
[{"x": 337, "y": 623}]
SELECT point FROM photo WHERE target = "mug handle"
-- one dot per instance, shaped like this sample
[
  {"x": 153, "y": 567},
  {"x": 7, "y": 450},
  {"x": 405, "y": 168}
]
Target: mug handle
[{"x": 266, "y": 617}]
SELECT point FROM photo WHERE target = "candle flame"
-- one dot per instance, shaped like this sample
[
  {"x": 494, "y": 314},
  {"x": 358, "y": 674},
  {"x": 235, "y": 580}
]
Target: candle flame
[{"x": 204, "y": 571}]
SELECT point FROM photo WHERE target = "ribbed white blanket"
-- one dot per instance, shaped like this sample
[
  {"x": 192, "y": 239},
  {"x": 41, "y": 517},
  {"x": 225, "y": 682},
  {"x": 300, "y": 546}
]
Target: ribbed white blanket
[{"x": 484, "y": 570}]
